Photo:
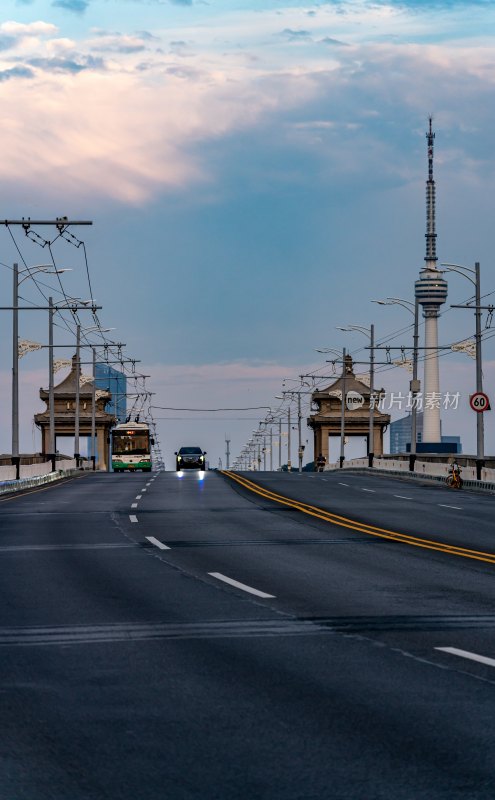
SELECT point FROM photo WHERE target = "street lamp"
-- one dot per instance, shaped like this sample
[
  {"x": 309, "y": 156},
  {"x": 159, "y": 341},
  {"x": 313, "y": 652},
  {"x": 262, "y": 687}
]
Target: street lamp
[
  {"x": 289, "y": 462},
  {"x": 480, "y": 425},
  {"x": 92, "y": 328},
  {"x": 370, "y": 333},
  {"x": 414, "y": 384},
  {"x": 328, "y": 350},
  {"x": 72, "y": 304},
  {"x": 47, "y": 269}
]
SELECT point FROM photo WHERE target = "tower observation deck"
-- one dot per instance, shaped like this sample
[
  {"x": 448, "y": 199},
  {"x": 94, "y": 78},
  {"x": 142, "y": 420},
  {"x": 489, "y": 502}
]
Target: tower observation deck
[{"x": 431, "y": 293}]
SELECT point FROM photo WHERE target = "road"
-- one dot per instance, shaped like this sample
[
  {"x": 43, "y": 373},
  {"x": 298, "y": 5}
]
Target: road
[{"x": 172, "y": 637}]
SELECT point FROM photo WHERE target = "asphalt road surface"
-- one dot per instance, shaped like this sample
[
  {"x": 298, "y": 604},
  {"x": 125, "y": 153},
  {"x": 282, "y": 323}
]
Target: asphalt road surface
[{"x": 167, "y": 638}]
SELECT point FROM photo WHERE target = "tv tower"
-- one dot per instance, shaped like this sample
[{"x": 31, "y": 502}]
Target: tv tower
[{"x": 431, "y": 292}]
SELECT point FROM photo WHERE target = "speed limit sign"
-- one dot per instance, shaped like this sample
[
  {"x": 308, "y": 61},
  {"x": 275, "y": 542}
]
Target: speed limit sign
[{"x": 479, "y": 402}]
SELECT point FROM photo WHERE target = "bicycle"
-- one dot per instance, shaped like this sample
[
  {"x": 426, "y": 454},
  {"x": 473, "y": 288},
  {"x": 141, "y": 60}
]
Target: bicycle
[{"x": 454, "y": 480}]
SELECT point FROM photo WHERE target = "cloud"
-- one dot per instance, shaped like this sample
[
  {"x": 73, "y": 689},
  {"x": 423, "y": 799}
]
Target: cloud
[
  {"x": 121, "y": 43},
  {"x": 30, "y": 29},
  {"x": 7, "y": 42},
  {"x": 61, "y": 65},
  {"x": 78, "y": 6},
  {"x": 328, "y": 40},
  {"x": 296, "y": 35},
  {"x": 15, "y": 72}
]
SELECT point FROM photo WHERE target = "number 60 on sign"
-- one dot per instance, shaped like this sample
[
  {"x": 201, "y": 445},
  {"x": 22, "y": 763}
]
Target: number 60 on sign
[{"x": 479, "y": 402}]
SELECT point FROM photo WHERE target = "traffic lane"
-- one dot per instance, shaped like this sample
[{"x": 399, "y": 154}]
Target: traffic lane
[
  {"x": 311, "y": 567},
  {"x": 99, "y": 491},
  {"x": 469, "y": 525},
  {"x": 276, "y": 717},
  {"x": 75, "y": 568},
  {"x": 79, "y": 511},
  {"x": 189, "y": 510},
  {"x": 438, "y": 492},
  {"x": 189, "y": 490}
]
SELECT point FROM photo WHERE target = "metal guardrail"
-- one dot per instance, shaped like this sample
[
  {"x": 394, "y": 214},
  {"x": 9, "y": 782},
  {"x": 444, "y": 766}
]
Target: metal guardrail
[{"x": 11, "y": 486}]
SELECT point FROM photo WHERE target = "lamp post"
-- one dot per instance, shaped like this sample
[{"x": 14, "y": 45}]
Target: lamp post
[
  {"x": 48, "y": 269},
  {"x": 480, "y": 425},
  {"x": 342, "y": 415},
  {"x": 77, "y": 454},
  {"x": 93, "y": 412},
  {"x": 282, "y": 397},
  {"x": 370, "y": 333},
  {"x": 414, "y": 385}
]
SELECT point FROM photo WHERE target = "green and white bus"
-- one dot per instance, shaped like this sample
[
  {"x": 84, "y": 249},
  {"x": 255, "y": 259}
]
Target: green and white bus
[{"x": 131, "y": 447}]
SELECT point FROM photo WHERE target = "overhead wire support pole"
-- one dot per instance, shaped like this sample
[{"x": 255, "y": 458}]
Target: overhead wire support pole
[
  {"x": 480, "y": 424},
  {"x": 78, "y": 389},
  {"x": 51, "y": 397},
  {"x": 414, "y": 387},
  {"x": 371, "y": 435},
  {"x": 342, "y": 416},
  {"x": 300, "y": 450},
  {"x": 16, "y": 461},
  {"x": 15, "y": 308},
  {"x": 93, "y": 413}
]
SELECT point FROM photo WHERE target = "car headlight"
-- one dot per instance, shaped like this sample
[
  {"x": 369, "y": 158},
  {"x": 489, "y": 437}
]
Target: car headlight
[{"x": 179, "y": 458}]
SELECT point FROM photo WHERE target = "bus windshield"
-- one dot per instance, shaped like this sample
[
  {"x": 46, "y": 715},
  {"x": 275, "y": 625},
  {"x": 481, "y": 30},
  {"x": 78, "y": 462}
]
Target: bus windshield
[{"x": 131, "y": 443}]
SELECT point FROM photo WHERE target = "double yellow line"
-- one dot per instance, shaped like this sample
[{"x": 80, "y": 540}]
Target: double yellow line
[{"x": 361, "y": 527}]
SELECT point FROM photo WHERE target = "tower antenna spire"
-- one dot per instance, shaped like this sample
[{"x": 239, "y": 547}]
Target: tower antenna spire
[
  {"x": 431, "y": 236},
  {"x": 431, "y": 293}
]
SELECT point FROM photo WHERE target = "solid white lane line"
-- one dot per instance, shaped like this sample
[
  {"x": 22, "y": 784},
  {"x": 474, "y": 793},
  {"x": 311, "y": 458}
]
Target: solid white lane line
[
  {"x": 238, "y": 585},
  {"x": 457, "y": 508},
  {"x": 343, "y": 484},
  {"x": 368, "y": 490},
  {"x": 157, "y": 543},
  {"x": 138, "y": 497},
  {"x": 134, "y": 505},
  {"x": 466, "y": 654},
  {"x": 402, "y": 497},
  {"x": 133, "y": 518}
]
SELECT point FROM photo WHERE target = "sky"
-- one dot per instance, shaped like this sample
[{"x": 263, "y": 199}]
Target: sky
[{"x": 255, "y": 174}]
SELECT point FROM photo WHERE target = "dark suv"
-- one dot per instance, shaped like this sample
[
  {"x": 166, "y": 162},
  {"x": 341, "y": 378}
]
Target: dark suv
[{"x": 190, "y": 458}]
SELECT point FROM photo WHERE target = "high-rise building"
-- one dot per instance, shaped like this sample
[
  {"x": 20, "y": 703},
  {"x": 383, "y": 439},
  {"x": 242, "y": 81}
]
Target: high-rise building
[
  {"x": 400, "y": 437},
  {"x": 400, "y": 433},
  {"x": 116, "y": 382},
  {"x": 431, "y": 293}
]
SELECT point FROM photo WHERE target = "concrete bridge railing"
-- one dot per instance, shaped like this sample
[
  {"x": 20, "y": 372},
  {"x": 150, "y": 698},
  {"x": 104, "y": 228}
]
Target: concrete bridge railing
[
  {"x": 426, "y": 468},
  {"x": 35, "y": 475}
]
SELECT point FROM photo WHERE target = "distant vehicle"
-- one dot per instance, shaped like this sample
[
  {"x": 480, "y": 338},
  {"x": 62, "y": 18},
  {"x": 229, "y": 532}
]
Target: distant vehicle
[
  {"x": 190, "y": 458},
  {"x": 131, "y": 447}
]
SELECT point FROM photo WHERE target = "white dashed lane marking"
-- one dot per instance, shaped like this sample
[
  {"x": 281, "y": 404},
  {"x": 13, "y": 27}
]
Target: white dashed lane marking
[
  {"x": 157, "y": 543},
  {"x": 133, "y": 518},
  {"x": 457, "y": 508},
  {"x": 138, "y": 497},
  {"x": 238, "y": 585},
  {"x": 454, "y": 651},
  {"x": 134, "y": 505},
  {"x": 343, "y": 484},
  {"x": 402, "y": 497},
  {"x": 369, "y": 490}
]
